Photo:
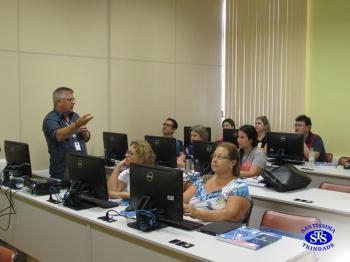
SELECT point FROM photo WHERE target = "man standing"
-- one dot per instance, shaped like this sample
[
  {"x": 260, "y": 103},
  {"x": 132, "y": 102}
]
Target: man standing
[
  {"x": 168, "y": 130},
  {"x": 311, "y": 141},
  {"x": 64, "y": 130}
]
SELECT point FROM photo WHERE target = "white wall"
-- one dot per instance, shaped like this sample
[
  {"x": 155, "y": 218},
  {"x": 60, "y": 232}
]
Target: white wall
[{"x": 132, "y": 63}]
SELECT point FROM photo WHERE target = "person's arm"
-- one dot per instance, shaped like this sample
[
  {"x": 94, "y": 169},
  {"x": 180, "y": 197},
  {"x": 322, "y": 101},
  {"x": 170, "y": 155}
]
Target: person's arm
[
  {"x": 118, "y": 193},
  {"x": 84, "y": 133},
  {"x": 252, "y": 172},
  {"x": 189, "y": 193},
  {"x": 235, "y": 209},
  {"x": 181, "y": 160},
  {"x": 112, "y": 182},
  {"x": 307, "y": 152},
  {"x": 65, "y": 132}
]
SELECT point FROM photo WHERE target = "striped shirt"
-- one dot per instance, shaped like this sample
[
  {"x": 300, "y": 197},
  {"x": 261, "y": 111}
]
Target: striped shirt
[{"x": 55, "y": 120}]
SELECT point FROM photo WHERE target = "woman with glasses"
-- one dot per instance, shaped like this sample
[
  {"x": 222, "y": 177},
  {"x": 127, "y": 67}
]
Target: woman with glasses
[
  {"x": 223, "y": 197},
  {"x": 252, "y": 159},
  {"x": 140, "y": 152}
]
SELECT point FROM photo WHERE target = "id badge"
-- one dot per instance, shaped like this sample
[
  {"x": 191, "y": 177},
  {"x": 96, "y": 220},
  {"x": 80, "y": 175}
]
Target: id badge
[{"x": 77, "y": 146}]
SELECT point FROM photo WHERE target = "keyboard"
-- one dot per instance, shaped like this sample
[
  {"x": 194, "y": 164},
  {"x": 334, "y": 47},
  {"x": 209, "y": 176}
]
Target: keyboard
[
  {"x": 183, "y": 224},
  {"x": 99, "y": 202}
]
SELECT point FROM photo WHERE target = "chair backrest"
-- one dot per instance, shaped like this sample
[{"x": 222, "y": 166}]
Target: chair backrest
[
  {"x": 7, "y": 254},
  {"x": 328, "y": 157},
  {"x": 335, "y": 187},
  {"x": 286, "y": 224},
  {"x": 249, "y": 213}
]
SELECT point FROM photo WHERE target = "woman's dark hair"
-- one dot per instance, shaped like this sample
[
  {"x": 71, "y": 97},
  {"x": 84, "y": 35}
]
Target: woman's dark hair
[
  {"x": 251, "y": 133},
  {"x": 233, "y": 154},
  {"x": 230, "y": 121}
]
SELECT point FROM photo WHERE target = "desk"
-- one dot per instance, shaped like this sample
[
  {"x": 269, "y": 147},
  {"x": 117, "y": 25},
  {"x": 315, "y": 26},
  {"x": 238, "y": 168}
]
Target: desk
[
  {"x": 329, "y": 206},
  {"x": 50, "y": 232},
  {"x": 332, "y": 174}
]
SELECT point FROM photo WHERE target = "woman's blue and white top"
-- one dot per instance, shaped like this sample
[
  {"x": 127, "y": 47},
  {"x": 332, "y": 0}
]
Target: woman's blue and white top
[{"x": 218, "y": 199}]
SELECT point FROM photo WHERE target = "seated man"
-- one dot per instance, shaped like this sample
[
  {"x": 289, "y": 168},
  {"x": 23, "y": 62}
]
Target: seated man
[
  {"x": 168, "y": 130},
  {"x": 312, "y": 141}
]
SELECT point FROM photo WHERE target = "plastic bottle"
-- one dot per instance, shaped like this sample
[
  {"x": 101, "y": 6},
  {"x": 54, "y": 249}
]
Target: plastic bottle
[
  {"x": 188, "y": 165},
  {"x": 312, "y": 157}
]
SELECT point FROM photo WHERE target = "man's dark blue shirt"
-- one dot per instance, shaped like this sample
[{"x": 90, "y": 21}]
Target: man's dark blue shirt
[{"x": 58, "y": 150}]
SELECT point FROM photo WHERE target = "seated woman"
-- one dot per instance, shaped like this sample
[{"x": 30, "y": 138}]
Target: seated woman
[
  {"x": 262, "y": 126},
  {"x": 252, "y": 160},
  {"x": 223, "y": 197},
  {"x": 140, "y": 152},
  {"x": 198, "y": 133},
  {"x": 227, "y": 123}
]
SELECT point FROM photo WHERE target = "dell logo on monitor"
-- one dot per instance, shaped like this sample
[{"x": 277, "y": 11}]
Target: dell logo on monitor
[
  {"x": 149, "y": 176},
  {"x": 80, "y": 163},
  {"x": 209, "y": 149}
]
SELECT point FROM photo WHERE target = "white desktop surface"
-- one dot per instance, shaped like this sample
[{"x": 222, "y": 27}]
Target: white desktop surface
[
  {"x": 337, "y": 171},
  {"x": 51, "y": 232},
  {"x": 326, "y": 200}
]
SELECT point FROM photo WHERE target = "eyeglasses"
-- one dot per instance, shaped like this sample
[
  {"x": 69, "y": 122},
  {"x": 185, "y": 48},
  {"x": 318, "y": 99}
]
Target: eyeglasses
[
  {"x": 130, "y": 153},
  {"x": 70, "y": 100},
  {"x": 218, "y": 157},
  {"x": 168, "y": 125},
  {"x": 299, "y": 125}
]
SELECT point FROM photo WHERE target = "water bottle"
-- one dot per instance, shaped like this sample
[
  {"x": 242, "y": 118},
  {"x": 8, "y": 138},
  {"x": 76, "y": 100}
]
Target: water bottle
[
  {"x": 312, "y": 157},
  {"x": 188, "y": 165}
]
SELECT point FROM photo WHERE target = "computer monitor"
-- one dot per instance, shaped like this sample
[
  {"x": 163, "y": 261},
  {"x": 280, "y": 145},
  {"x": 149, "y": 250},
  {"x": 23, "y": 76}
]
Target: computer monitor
[
  {"x": 17, "y": 158},
  {"x": 88, "y": 177},
  {"x": 202, "y": 152},
  {"x": 115, "y": 145},
  {"x": 165, "y": 150},
  {"x": 230, "y": 135},
  {"x": 285, "y": 147},
  {"x": 155, "y": 187},
  {"x": 187, "y": 135}
]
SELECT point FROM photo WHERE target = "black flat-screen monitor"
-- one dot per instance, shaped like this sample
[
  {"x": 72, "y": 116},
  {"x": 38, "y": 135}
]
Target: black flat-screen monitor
[
  {"x": 165, "y": 150},
  {"x": 285, "y": 147},
  {"x": 230, "y": 135},
  {"x": 202, "y": 152},
  {"x": 17, "y": 158},
  {"x": 115, "y": 145},
  {"x": 161, "y": 187},
  {"x": 187, "y": 135},
  {"x": 88, "y": 178}
]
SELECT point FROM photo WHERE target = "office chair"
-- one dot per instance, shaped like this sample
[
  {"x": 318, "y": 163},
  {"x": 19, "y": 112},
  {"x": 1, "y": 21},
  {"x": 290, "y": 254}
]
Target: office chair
[
  {"x": 249, "y": 213},
  {"x": 335, "y": 187},
  {"x": 7, "y": 254},
  {"x": 328, "y": 157},
  {"x": 286, "y": 224}
]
